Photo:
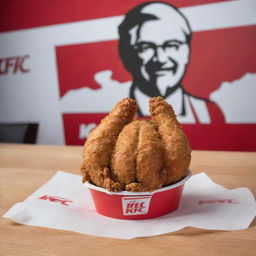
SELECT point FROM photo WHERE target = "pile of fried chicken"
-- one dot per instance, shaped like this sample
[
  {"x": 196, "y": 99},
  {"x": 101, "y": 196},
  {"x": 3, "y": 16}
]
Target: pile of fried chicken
[{"x": 136, "y": 155}]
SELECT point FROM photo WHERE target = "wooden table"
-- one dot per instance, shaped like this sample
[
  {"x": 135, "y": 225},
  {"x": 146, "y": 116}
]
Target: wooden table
[{"x": 24, "y": 168}]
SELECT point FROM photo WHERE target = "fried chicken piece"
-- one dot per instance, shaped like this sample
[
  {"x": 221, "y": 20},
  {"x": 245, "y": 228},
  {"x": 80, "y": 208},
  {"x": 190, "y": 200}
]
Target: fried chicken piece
[
  {"x": 138, "y": 156},
  {"x": 100, "y": 144},
  {"x": 150, "y": 168},
  {"x": 176, "y": 145},
  {"x": 123, "y": 162},
  {"x": 137, "y": 162}
]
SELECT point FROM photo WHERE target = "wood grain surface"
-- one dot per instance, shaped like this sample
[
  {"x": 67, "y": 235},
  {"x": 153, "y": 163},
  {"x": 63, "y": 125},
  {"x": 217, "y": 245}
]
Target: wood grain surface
[{"x": 24, "y": 168}]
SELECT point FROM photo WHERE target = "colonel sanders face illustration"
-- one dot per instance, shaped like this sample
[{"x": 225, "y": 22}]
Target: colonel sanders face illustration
[{"x": 154, "y": 46}]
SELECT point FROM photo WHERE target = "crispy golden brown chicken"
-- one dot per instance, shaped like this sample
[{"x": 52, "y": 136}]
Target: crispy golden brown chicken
[
  {"x": 141, "y": 155},
  {"x": 100, "y": 144},
  {"x": 137, "y": 162},
  {"x": 175, "y": 142}
]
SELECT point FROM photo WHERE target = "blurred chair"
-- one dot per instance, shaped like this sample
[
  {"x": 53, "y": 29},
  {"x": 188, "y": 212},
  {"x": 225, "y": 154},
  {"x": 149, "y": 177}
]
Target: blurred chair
[{"x": 18, "y": 132}]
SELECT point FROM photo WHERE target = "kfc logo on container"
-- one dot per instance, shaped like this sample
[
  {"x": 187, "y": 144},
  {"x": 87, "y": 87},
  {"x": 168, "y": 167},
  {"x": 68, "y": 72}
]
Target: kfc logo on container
[{"x": 136, "y": 205}]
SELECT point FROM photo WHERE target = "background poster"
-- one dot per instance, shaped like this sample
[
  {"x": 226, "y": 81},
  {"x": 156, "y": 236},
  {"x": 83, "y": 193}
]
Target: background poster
[{"x": 60, "y": 66}]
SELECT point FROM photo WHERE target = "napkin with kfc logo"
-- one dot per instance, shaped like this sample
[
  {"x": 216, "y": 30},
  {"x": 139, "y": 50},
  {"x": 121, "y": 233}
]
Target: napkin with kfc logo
[{"x": 65, "y": 203}]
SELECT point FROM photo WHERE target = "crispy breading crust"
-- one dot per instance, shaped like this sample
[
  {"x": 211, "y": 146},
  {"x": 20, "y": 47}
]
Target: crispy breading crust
[
  {"x": 150, "y": 165},
  {"x": 176, "y": 145},
  {"x": 137, "y": 162},
  {"x": 123, "y": 162},
  {"x": 136, "y": 156},
  {"x": 100, "y": 144}
]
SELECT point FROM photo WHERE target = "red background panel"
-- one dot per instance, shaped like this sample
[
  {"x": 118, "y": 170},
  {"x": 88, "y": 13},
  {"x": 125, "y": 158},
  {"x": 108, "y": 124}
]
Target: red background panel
[
  {"x": 231, "y": 137},
  {"x": 77, "y": 64},
  {"x": 17, "y": 14},
  {"x": 72, "y": 124},
  {"x": 218, "y": 56},
  {"x": 216, "y": 136}
]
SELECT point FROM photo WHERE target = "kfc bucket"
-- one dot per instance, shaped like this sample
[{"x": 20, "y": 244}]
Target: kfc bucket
[
  {"x": 138, "y": 166},
  {"x": 137, "y": 205}
]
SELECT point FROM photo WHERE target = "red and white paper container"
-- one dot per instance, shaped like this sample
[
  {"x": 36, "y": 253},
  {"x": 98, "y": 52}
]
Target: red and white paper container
[{"x": 137, "y": 205}]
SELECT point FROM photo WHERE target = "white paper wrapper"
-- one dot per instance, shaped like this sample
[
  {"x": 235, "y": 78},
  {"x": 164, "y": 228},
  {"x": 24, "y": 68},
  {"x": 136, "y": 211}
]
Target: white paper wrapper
[{"x": 65, "y": 203}]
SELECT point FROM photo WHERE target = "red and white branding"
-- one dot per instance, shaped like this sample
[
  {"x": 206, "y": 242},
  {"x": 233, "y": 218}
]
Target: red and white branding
[
  {"x": 221, "y": 201},
  {"x": 78, "y": 126},
  {"x": 88, "y": 92},
  {"x": 81, "y": 49},
  {"x": 136, "y": 205},
  {"x": 56, "y": 199}
]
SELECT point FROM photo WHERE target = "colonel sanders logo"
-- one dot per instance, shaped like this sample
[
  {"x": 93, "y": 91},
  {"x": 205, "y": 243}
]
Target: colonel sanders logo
[
  {"x": 155, "y": 48},
  {"x": 157, "y": 54}
]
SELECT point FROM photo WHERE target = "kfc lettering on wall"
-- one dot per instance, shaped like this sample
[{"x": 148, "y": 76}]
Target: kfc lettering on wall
[{"x": 14, "y": 65}]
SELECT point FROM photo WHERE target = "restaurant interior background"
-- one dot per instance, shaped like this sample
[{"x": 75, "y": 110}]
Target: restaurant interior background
[{"x": 60, "y": 69}]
